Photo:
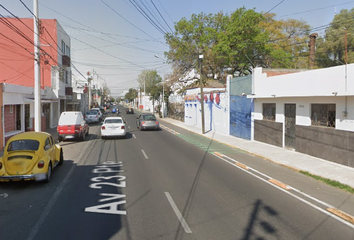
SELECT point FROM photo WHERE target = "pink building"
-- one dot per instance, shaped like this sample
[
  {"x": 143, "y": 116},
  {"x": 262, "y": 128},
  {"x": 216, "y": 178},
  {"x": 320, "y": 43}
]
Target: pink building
[{"x": 17, "y": 74}]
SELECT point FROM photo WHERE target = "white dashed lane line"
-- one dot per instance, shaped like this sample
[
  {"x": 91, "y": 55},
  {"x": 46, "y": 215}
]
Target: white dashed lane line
[
  {"x": 146, "y": 157},
  {"x": 178, "y": 214}
]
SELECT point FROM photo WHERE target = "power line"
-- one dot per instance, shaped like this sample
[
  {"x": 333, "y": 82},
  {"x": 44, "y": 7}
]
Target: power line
[
  {"x": 276, "y": 5},
  {"x": 316, "y": 9},
  {"x": 128, "y": 21},
  {"x": 161, "y": 15},
  {"x": 166, "y": 12},
  {"x": 27, "y": 8}
]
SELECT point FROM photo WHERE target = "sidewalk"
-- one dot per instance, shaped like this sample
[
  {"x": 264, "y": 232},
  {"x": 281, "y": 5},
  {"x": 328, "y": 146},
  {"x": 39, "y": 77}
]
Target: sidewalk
[{"x": 282, "y": 156}]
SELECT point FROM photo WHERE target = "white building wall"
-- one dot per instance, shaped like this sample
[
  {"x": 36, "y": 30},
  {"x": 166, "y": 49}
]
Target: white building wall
[
  {"x": 303, "y": 110},
  {"x": 320, "y": 82},
  {"x": 333, "y": 85},
  {"x": 216, "y": 117}
]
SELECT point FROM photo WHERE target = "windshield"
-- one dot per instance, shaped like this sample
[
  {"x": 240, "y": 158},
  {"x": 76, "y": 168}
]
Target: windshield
[
  {"x": 91, "y": 113},
  {"x": 113, "y": 121},
  {"x": 149, "y": 117},
  {"x": 23, "y": 145}
]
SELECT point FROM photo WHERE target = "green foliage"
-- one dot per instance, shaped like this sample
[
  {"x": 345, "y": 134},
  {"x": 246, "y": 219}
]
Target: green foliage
[
  {"x": 155, "y": 92},
  {"x": 193, "y": 37},
  {"x": 241, "y": 44},
  {"x": 288, "y": 42},
  {"x": 331, "y": 48},
  {"x": 131, "y": 94},
  {"x": 235, "y": 43},
  {"x": 150, "y": 79},
  {"x": 330, "y": 182}
]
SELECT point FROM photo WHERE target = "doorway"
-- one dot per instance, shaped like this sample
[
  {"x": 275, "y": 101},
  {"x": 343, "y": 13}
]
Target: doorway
[{"x": 290, "y": 114}]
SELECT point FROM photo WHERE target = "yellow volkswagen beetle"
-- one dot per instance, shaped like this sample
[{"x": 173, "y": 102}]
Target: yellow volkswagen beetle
[{"x": 30, "y": 156}]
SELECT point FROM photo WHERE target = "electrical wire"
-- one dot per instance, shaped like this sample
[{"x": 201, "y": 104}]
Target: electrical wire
[
  {"x": 161, "y": 16},
  {"x": 316, "y": 9},
  {"x": 276, "y": 5},
  {"x": 128, "y": 21}
]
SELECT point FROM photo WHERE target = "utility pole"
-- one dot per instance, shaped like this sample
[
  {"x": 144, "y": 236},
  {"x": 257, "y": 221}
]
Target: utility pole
[
  {"x": 89, "y": 90},
  {"x": 201, "y": 91},
  {"x": 37, "y": 70},
  {"x": 163, "y": 97}
]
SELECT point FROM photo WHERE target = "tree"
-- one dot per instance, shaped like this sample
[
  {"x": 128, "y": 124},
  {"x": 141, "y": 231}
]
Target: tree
[
  {"x": 331, "y": 48},
  {"x": 191, "y": 38},
  {"x": 227, "y": 42},
  {"x": 149, "y": 78},
  {"x": 131, "y": 95},
  {"x": 241, "y": 44},
  {"x": 155, "y": 93},
  {"x": 288, "y": 42}
]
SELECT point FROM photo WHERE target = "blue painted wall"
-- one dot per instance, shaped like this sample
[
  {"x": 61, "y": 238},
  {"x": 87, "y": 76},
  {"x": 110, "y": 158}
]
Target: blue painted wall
[{"x": 241, "y": 107}]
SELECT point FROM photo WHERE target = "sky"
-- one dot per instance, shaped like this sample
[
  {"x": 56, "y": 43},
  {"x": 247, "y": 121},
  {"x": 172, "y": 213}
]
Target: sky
[{"x": 114, "y": 40}]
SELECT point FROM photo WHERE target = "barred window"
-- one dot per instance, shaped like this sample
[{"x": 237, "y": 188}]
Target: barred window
[
  {"x": 269, "y": 111},
  {"x": 323, "y": 115}
]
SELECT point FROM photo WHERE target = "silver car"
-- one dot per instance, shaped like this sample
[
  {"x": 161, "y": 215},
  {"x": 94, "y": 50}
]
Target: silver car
[
  {"x": 147, "y": 121},
  {"x": 92, "y": 117}
]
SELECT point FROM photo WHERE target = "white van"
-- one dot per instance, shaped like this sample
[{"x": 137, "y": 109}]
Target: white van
[{"x": 72, "y": 125}]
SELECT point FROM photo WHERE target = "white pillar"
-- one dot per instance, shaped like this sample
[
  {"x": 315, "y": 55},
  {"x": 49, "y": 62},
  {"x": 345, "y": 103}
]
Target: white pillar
[{"x": 37, "y": 72}]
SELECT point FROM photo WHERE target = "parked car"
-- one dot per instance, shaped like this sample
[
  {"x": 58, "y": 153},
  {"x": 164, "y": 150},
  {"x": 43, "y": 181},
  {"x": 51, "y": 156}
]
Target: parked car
[
  {"x": 147, "y": 121},
  {"x": 72, "y": 125},
  {"x": 129, "y": 110},
  {"x": 30, "y": 156},
  {"x": 92, "y": 117},
  {"x": 99, "y": 112},
  {"x": 113, "y": 127}
]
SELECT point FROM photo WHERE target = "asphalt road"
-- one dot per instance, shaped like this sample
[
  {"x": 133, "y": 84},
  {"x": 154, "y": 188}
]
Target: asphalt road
[{"x": 167, "y": 184}]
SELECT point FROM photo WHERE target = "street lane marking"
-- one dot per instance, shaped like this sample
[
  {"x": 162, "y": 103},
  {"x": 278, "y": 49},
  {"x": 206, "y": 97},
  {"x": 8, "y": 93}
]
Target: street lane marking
[
  {"x": 133, "y": 135},
  {"x": 278, "y": 183},
  {"x": 341, "y": 214},
  {"x": 178, "y": 213},
  {"x": 5, "y": 195},
  {"x": 339, "y": 217},
  {"x": 144, "y": 154},
  {"x": 242, "y": 165}
]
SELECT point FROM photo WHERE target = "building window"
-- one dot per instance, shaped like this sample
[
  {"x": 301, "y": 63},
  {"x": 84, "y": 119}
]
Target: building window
[
  {"x": 269, "y": 111},
  {"x": 63, "y": 45},
  {"x": 323, "y": 115},
  {"x": 67, "y": 53},
  {"x": 11, "y": 108}
]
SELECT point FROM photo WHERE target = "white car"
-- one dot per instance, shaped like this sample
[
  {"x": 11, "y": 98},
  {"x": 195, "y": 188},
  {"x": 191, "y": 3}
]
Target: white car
[{"x": 113, "y": 127}]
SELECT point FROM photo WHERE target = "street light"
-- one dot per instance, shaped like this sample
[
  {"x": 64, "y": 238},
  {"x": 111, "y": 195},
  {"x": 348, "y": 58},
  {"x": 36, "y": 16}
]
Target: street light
[{"x": 201, "y": 91}]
